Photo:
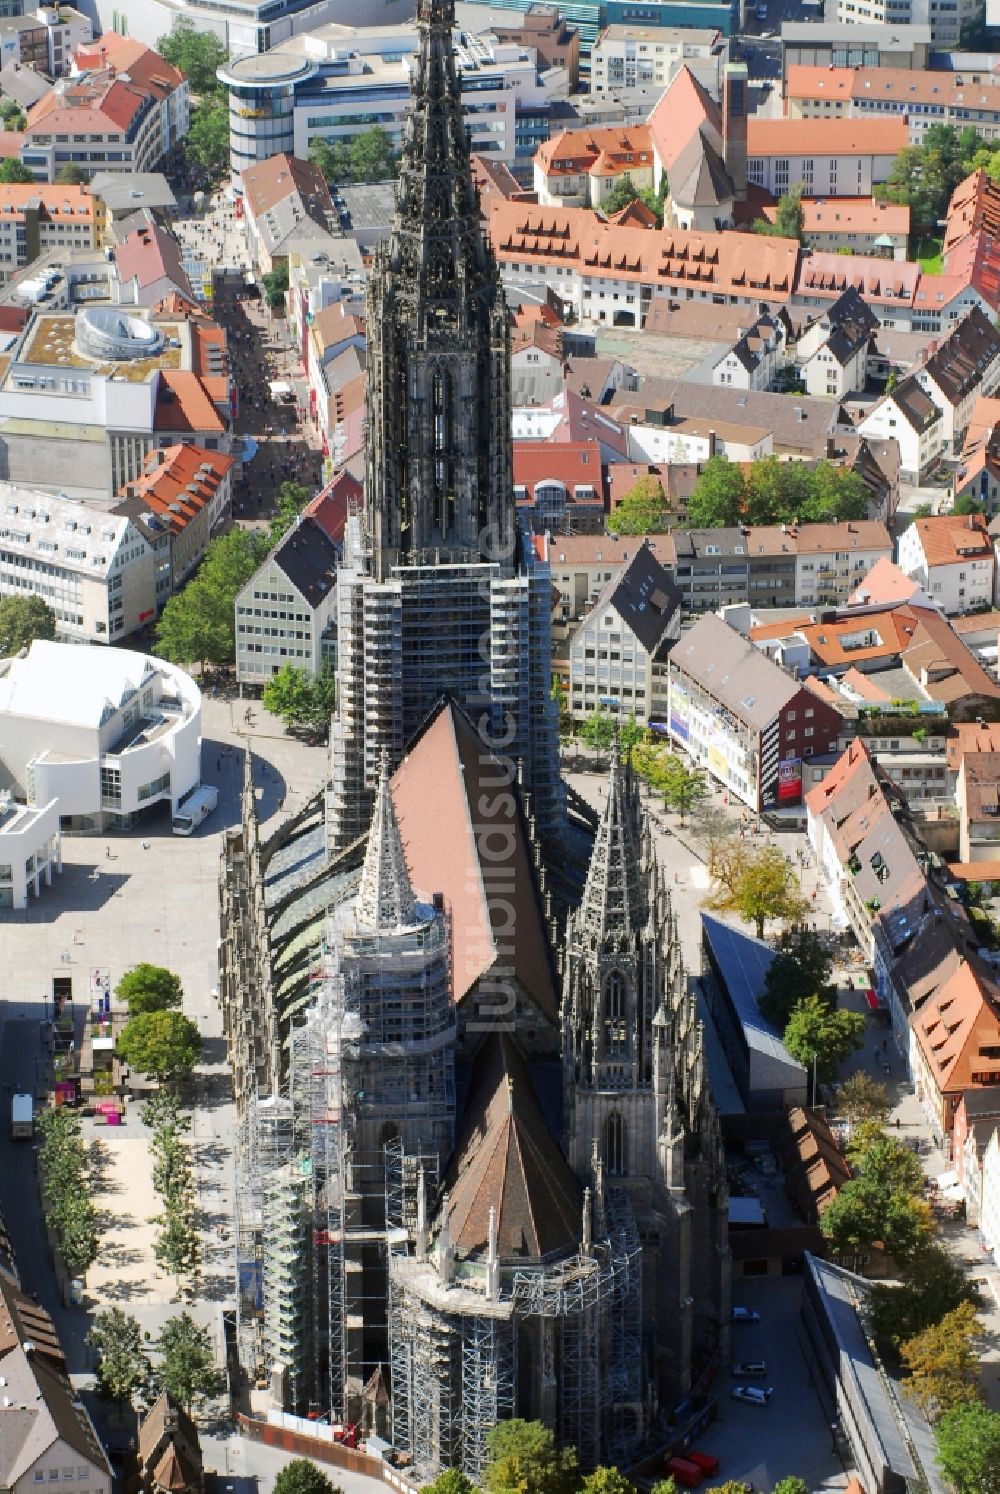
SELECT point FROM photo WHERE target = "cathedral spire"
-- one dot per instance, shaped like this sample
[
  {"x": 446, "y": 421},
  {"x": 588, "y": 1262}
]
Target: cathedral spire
[
  {"x": 385, "y": 900},
  {"x": 438, "y": 480},
  {"x": 613, "y": 899}
]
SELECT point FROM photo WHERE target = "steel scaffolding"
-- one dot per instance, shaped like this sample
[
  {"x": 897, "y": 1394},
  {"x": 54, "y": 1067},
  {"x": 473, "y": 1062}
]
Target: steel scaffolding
[{"x": 489, "y": 1380}]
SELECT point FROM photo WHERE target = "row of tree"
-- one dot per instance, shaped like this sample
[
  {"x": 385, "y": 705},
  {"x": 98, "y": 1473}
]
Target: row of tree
[
  {"x": 198, "y": 55},
  {"x": 924, "y": 176},
  {"x": 769, "y": 491},
  {"x": 64, "y": 1168},
  {"x": 800, "y": 999},
  {"x": 157, "y": 1039},
  {"x": 176, "y": 1246},
  {"x": 368, "y": 157},
  {"x": 185, "y": 1368}
]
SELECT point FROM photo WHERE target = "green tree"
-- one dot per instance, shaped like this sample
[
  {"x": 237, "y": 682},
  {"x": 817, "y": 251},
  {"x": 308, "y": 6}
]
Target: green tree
[
  {"x": 333, "y": 157},
  {"x": 791, "y": 1485},
  {"x": 630, "y": 733},
  {"x": 605, "y": 1480},
  {"x": 79, "y": 1239},
  {"x": 817, "y": 1034},
  {"x": 942, "y": 1362},
  {"x": 149, "y": 988},
  {"x": 298, "y": 700},
  {"x": 933, "y": 1288},
  {"x": 759, "y": 886},
  {"x": 625, "y": 191},
  {"x": 881, "y": 1202},
  {"x": 968, "y": 1448},
  {"x": 292, "y": 499},
  {"x": 558, "y": 694},
  {"x": 683, "y": 788},
  {"x": 196, "y": 54},
  {"x": 162, "y": 1044},
  {"x": 69, "y": 1212},
  {"x": 207, "y": 139},
  {"x": 22, "y": 620},
  {"x": 861, "y": 1098},
  {"x": 966, "y": 504},
  {"x": 301, "y": 1476},
  {"x": 176, "y": 1246},
  {"x": 924, "y": 176},
  {"x": 71, "y": 176},
  {"x": 276, "y": 285},
  {"x": 187, "y": 1365},
  {"x": 12, "y": 173},
  {"x": 789, "y": 218},
  {"x": 451, "y": 1481},
  {"x": 198, "y": 625},
  {"x": 645, "y": 509},
  {"x": 522, "y": 1458},
  {"x": 371, "y": 155},
  {"x": 717, "y": 498},
  {"x": 122, "y": 1365},
  {"x": 597, "y": 730},
  {"x": 801, "y": 967}
]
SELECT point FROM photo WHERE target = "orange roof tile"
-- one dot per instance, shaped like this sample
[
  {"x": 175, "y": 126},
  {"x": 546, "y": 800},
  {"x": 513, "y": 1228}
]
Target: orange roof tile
[
  {"x": 183, "y": 404},
  {"x": 177, "y": 482},
  {"x": 949, "y": 539},
  {"x": 957, "y": 1028},
  {"x": 870, "y": 136},
  {"x": 609, "y": 152},
  {"x": 849, "y": 215}
]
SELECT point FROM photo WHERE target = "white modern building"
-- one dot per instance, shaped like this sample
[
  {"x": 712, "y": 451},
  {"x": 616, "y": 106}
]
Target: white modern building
[
  {"x": 286, "y": 612},
  {"x": 617, "y": 654},
  {"x": 648, "y": 56},
  {"x": 989, "y": 1211},
  {"x": 30, "y": 847},
  {"x": 105, "y": 733}
]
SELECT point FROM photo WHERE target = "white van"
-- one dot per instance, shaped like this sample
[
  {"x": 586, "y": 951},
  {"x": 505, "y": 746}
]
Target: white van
[{"x": 196, "y": 807}]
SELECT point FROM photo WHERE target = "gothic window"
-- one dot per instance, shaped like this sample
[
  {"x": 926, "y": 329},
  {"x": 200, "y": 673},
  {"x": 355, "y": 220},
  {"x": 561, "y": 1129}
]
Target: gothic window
[
  {"x": 615, "y": 1004},
  {"x": 615, "y": 1145}
]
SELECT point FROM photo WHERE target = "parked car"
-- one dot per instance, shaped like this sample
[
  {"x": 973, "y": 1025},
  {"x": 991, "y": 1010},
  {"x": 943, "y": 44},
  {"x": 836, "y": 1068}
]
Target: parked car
[
  {"x": 705, "y": 1461},
  {"x": 749, "y": 1369},
  {"x": 746, "y": 1315},
  {"x": 689, "y": 1475},
  {"x": 753, "y": 1395}
]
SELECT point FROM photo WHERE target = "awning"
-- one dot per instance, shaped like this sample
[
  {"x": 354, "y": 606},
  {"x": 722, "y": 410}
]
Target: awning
[
  {"x": 279, "y": 389},
  {"x": 250, "y": 449},
  {"x": 871, "y": 999},
  {"x": 946, "y": 1179}
]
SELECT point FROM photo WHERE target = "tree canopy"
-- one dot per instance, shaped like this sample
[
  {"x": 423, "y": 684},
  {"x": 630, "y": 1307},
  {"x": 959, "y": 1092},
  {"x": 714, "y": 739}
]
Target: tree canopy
[
  {"x": 597, "y": 729},
  {"x": 301, "y": 1476},
  {"x": 789, "y": 218},
  {"x": 71, "y": 175},
  {"x": 606, "y": 1480},
  {"x": 207, "y": 139},
  {"x": 187, "y": 1364},
  {"x": 801, "y": 967},
  {"x": 934, "y": 1286},
  {"x": 817, "y": 1033},
  {"x": 942, "y": 1362},
  {"x": 682, "y": 786},
  {"x": 162, "y": 1044},
  {"x": 366, "y": 157},
  {"x": 881, "y": 1202},
  {"x": 22, "y": 620},
  {"x": 774, "y": 492},
  {"x": 301, "y": 702},
  {"x": 196, "y": 54},
  {"x": 760, "y": 886},
  {"x": 198, "y": 625},
  {"x": 645, "y": 509},
  {"x": 12, "y": 172},
  {"x": 451, "y": 1481},
  {"x": 522, "y": 1455},
  {"x": 924, "y": 176},
  {"x": 149, "y": 988},
  {"x": 292, "y": 499},
  {"x": 968, "y": 1447},
  {"x": 122, "y": 1364},
  {"x": 625, "y": 191}
]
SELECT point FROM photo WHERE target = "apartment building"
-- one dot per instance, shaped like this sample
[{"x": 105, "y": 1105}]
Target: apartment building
[
  {"x": 830, "y": 157},
  {"x": 839, "y": 44},
  {"x": 182, "y": 495},
  {"x": 581, "y": 565},
  {"x": 286, "y": 613},
  {"x": 952, "y": 557},
  {"x": 832, "y": 352},
  {"x": 955, "y": 1044},
  {"x": 958, "y": 98},
  {"x": 869, "y": 227},
  {"x": 743, "y": 718},
  {"x": 45, "y": 40},
  {"x": 148, "y": 71},
  {"x": 94, "y": 569},
  {"x": 99, "y": 121},
  {"x": 617, "y": 655},
  {"x": 756, "y": 357},
  {"x": 581, "y": 168},
  {"x": 959, "y": 371},
  {"x": 911, "y": 417},
  {"x": 37, "y": 219},
  {"x": 647, "y": 56},
  {"x": 941, "y": 19}
]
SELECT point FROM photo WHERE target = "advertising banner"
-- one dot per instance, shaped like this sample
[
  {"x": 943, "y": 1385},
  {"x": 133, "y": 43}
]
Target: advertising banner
[{"x": 790, "y": 780}]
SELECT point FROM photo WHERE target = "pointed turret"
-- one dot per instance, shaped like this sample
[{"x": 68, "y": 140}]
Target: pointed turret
[
  {"x": 385, "y": 900},
  {"x": 613, "y": 900}
]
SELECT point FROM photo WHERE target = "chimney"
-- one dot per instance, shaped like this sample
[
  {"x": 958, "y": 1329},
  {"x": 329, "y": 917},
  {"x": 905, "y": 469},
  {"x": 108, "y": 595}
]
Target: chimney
[
  {"x": 734, "y": 125},
  {"x": 711, "y": 443}
]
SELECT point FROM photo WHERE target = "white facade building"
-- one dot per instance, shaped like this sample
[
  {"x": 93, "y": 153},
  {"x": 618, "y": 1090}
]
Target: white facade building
[
  {"x": 107, "y": 733},
  {"x": 647, "y": 56},
  {"x": 30, "y": 846},
  {"x": 952, "y": 557},
  {"x": 989, "y": 1212}
]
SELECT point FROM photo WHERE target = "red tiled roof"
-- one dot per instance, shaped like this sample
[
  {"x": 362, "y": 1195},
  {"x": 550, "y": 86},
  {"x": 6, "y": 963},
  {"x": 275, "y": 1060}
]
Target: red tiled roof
[
  {"x": 177, "y": 482},
  {"x": 949, "y": 539},
  {"x": 869, "y": 136},
  {"x": 183, "y": 404},
  {"x": 330, "y": 507},
  {"x": 575, "y": 463}
]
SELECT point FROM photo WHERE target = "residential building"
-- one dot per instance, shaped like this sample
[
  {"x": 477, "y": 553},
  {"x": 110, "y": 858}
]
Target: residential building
[
  {"x": 47, "y": 1430},
  {"x": 145, "y": 69},
  {"x": 560, "y": 488},
  {"x": 286, "y": 612},
  {"x": 952, "y": 557},
  {"x": 118, "y": 116},
  {"x": 959, "y": 370},
  {"x": 94, "y": 569},
  {"x": 581, "y": 168},
  {"x": 902, "y": 296},
  {"x": 287, "y": 205},
  {"x": 866, "y": 859},
  {"x": 618, "y": 653},
  {"x": 924, "y": 98},
  {"x": 754, "y": 360},
  {"x": 734, "y": 973},
  {"x": 989, "y": 1211},
  {"x": 182, "y": 495},
  {"x": 45, "y": 40},
  {"x": 916, "y": 951},
  {"x": 106, "y": 732},
  {"x": 955, "y": 1044},
  {"x": 830, "y": 157},
  {"x": 838, "y": 44},
  {"x": 37, "y": 219},
  {"x": 169, "y": 1451},
  {"x": 977, "y": 795},
  {"x": 911, "y": 417},
  {"x": 832, "y": 352},
  {"x": 149, "y": 268},
  {"x": 647, "y": 56},
  {"x": 555, "y": 41},
  {"x": 116, "y": 198},
  {"x": 581, "y": 565},
  {"x": 864, "y": 226},
  {"x": 608, "y": 273},
  {"x": 743, "y": 718}
]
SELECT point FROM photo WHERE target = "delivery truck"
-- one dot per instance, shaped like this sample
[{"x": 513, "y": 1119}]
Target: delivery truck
[
  {"x": 22, "y": 1117},
  {"x": 196, "y": 807}
]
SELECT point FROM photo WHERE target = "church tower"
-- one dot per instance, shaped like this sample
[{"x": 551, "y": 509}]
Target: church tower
[{"x": 438, "y": 481}]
